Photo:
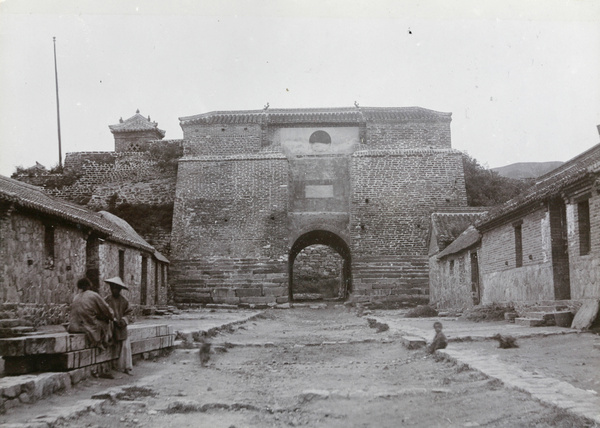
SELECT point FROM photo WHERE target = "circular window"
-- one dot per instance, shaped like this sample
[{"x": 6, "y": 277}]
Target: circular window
[{"x": 320, "y": 137}]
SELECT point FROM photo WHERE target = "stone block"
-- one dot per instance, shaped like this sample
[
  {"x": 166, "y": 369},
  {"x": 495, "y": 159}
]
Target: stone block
[
  {"x": 412, "y": 342},
  {"x": 12, "y": 391},
  {"x": 146, "y": 345},
  {"x": 76, "y": 342},
  {"x": 529, "y": 322},
  {"x": 7, "y": 323},
  {"x": 248, "y": 292},
  {"x": 46, "y": 344},
  {"x": 77, "y": 375},
  {"x": 144, "y": 331},
  {"x": 220, "y": 306},
  {"x": 11, "y": 404},
  {"x": 275, "y": 291},
  {"x": 12, "y": 347},
  {"x": 257, "y": 300},
  {"x": 19, "y": 365},
  {"x": 223, "y": 293},
  {"x": 282, "y": 299},
  {"x": 563, "y": 318}
]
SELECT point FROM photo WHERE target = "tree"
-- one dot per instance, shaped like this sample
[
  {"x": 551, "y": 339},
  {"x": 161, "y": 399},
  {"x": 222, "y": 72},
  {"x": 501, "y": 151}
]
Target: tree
[{"x": 488, "y": 188}]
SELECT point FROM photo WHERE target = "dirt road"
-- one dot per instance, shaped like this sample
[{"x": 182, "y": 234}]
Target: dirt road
[{"x": 315, "y": 368}]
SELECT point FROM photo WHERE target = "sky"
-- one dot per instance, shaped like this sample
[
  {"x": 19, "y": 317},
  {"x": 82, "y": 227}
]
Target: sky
[{"x": 521, "y": 78}]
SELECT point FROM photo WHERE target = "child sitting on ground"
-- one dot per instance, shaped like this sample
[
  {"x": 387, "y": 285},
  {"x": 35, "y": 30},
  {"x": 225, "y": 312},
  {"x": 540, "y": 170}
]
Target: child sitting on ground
[{"x": 439, "y": 341}]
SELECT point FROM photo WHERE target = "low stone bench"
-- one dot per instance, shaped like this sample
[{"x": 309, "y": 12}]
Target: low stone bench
[{"x": 64, "y": 352}]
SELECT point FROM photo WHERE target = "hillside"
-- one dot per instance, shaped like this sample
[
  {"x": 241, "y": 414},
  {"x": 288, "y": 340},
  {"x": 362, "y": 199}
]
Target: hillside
[{"x": 524, "y": 170}]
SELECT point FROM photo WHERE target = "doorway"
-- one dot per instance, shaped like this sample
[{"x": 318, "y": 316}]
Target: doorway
[{"x": 323, "y": 270}]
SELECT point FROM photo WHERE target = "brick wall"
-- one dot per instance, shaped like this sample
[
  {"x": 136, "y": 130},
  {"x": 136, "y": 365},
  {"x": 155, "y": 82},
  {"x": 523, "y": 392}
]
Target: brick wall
[
  {"x": 394, "y": 193},
  {"x": 134, "y": 141},
  {"x": 222, "y": 139},
  {"x": 504, "y": 282},
  {"x": 408, "y": 135},
  {"x": 232, "y": 211},
  {"x": 584, "y": 269}
]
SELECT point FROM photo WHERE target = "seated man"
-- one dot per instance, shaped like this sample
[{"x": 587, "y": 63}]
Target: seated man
[{"x": 91, "y": 315}]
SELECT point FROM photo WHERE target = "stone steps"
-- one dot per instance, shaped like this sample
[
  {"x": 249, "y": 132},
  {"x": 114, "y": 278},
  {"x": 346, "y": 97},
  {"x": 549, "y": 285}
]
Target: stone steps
[
  {"x": 545, "y": 315},
  {"x": 529, "y": 322},
  {"x": 65, "y": 352}
]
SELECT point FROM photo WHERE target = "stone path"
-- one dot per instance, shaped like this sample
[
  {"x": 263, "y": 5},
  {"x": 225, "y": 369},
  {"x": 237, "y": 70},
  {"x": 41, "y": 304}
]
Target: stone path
[
  {"x": 547, "y": 390},
  {"x": 189, "y": 326}
]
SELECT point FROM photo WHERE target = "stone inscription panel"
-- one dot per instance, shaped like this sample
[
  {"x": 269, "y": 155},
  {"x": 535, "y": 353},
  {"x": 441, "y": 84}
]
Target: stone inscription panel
[{"x": 318, "y": 191}]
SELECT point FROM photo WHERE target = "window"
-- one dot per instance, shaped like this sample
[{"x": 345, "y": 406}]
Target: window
[
  {"x": 321, "y": 137},
  {"x": 122, "y": 264},
  {"x": 583, "y": 217},
  {"x": 518, "y": 244},
  {"x": 451, "y": 267},
  {"x": 144, "y": 284},
  {"x": 48, "y": 246}
]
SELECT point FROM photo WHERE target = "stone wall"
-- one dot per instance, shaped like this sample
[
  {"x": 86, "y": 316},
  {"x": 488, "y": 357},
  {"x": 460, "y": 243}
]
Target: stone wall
[
  {"x": 318, "y": 269},
  {"x": 28, "y": 277},
  {"x": 41, "y": 290},
  {"x": 450, "y": 281},
  {"x": 103, "y": 180},
  {"x": 109, "y": 254}
]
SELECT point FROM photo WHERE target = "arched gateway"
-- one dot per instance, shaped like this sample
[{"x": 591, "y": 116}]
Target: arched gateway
[
  {"x": 330, "y": 239},
  {"x": 254, "y": 188}
]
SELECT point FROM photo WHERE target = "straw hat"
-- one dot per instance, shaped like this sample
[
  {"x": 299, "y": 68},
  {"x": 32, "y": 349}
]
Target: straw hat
[{"x": 117, "y": 281}]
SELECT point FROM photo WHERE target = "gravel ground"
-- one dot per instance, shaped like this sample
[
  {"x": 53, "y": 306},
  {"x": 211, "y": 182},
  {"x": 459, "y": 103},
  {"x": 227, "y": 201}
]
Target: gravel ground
[{"x": 314, "y": 368}]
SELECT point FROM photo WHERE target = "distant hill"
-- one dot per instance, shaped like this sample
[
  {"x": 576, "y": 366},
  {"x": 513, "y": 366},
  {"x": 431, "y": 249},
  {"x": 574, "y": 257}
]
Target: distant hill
[{"x": 524, "y": 170}]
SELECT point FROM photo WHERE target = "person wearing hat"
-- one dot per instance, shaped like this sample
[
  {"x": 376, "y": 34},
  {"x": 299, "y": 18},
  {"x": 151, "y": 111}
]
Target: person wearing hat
[
  {"x": 121, "y": 309},
  {"x": 91, "y": 315}
]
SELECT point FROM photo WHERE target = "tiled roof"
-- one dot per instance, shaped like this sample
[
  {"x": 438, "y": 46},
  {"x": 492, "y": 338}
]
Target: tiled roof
[
  {"x": 447, "y": 226},
  {"x": 468, "y": 238},
  {"x": 34, "y": 198},
  {"x": 548, "y": 185},
  {"x": 137, "y": 122},
  {"x": 321, "y": 115},
  {"x": 123, "y": 232}
]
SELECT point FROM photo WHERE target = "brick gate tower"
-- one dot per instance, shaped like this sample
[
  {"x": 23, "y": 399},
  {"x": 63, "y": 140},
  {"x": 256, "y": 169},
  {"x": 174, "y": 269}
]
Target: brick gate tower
[{"x": 255, "y": 188}]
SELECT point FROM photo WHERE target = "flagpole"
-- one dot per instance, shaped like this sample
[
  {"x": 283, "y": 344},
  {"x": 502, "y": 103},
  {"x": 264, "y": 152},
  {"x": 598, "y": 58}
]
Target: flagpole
[{"x": 57, "y": 106}]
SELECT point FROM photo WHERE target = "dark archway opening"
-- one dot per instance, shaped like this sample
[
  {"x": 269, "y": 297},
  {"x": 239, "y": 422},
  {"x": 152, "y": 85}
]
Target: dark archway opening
[{"x": 333, "y": 241}]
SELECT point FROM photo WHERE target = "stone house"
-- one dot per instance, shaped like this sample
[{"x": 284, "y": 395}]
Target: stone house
[
  {"x": 47, "y": 244},
  {"x": 453, "y": 258},
  {"x": 542, "y": 247}
]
